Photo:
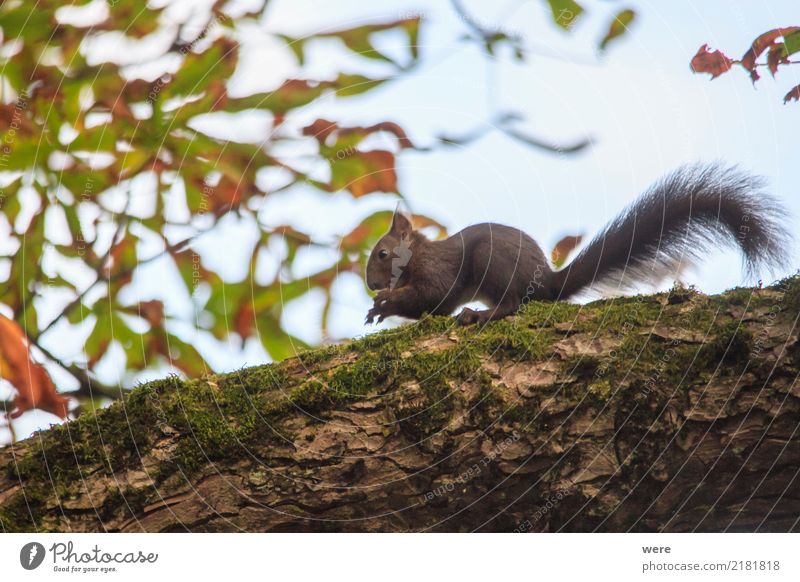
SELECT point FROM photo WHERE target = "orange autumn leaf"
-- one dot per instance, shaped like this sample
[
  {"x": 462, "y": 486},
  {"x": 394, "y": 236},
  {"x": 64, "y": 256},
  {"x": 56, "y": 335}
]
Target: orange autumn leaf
[
  {"x": 34, "y": 387},
  {"x": 563, "y": 248},
  {"x": 715, "y": 63},
  {"x": 793, "y": 95}
]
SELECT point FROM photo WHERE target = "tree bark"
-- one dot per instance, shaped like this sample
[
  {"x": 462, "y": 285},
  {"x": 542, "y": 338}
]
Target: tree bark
[{"x": 672, "y": 412}]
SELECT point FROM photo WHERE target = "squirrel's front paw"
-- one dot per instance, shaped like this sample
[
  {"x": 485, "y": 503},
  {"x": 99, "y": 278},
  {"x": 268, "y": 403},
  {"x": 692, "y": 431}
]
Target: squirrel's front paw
[{"x": 372, "y": 314}]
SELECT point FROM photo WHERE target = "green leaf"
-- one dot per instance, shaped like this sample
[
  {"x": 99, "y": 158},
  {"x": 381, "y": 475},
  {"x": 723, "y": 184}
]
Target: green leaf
[
  {"x": 26, "y": 21},
  {"x": 78, "y": 313},
  {"x": 349, "y": 85},
  {"x": 296, "y": 45},
  {"x": 359, "y": 39},
  {"x": 364, "y": 173},
  {"x": 791, "y": 42},
  {"x": 131, "y": 162}
]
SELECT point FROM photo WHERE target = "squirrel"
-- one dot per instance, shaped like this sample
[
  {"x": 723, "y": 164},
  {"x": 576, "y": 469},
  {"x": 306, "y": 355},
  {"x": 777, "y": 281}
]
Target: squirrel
[{"x": 680, "y": 218}]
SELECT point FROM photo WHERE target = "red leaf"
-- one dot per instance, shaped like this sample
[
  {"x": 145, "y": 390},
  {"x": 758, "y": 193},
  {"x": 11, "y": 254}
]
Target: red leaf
[
  {"x": 245, "y": 321},
  {"x": 793, "y": 95},
  {"x": 152, "y": 311},
  {"x": 715, "y": 63},
  {"x": 320, "y": 129},
  {"x": 34, "y": 387},
  {"x": 378, "y": 175},
  {"x": 564, "y": 248},
  {"x": 760, "y": 44}
]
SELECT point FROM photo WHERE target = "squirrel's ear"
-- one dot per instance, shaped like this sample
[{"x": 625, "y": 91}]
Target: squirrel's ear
[{"x": 401, "y": 223}]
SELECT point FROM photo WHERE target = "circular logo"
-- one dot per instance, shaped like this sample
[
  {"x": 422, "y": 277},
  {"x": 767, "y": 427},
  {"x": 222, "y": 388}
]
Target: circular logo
[{"x": 31, "y": 555}]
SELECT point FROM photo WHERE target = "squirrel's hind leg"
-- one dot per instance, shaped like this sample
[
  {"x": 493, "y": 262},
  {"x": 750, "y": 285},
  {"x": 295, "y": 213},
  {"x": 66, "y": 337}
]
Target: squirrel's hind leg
[{"x": 470, "y": 316}]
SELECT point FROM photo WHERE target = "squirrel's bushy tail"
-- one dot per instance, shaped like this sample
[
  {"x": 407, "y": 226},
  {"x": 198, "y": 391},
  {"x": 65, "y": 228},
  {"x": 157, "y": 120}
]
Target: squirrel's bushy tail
[{"x": 675, "y": 222}]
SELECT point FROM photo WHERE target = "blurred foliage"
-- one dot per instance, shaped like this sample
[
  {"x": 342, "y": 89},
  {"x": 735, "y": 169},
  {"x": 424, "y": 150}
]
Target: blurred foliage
[
  {"x": 80, "y": 138},
  {"x": 89, "y": 138}
]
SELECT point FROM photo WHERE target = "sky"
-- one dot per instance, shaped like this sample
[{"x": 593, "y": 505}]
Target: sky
[{"x": 644, "y": 109}]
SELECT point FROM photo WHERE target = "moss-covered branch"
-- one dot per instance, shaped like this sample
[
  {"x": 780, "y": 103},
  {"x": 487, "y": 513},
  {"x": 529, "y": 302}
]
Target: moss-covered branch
[{"x": 669, "y": 412}]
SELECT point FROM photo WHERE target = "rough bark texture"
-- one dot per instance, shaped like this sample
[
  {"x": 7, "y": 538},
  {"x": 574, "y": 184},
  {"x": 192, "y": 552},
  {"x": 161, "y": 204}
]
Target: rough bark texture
[{"x": 673, "y": 412}]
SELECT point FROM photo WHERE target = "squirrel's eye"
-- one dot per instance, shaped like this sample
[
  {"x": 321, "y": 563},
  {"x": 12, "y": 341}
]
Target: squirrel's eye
[{"x": 383, "y": 253}]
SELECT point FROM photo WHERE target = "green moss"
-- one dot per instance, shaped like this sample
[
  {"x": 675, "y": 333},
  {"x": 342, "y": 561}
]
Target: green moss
[
  {"x": 396, "y": 340},
  {"x": 791, "y": 293},
  {"x": 602, "y": 390},
  {"x": 621, "y": 313},
  {"x": 738, "y": 296},
  {"x": 547, "y": 313},
  {"x": 22, "y": 513},
  {"x": 259, "y": 378},
  {"x": 455, "y": 363},
  {"x": 310, "y": 396}
]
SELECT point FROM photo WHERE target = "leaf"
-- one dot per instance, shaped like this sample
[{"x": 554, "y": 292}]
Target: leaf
[
  {"x": 374, "y": 226},
  {"x": 295, "y": 93},
  {"x": 359, "y": 39},
  {"x": 618, "y": 27},
  {"x": 760, "y": 44},
  {"x": 152, "y": 311},
  {"x": 34, "y": 387},
  {"x": 141, "y": 21},
  {"x": 199, "y": 70},
  {"x": 563, "y": 249},
  {"x": 565, "y": 12},
  {"x": 296, "y": 45},
  {"x": 715, "y": 63},
  {"x": 322, "y": 130},
  {"x": 793, "y": 95},
  {"x": 349, "y": 85},
  {"x": 792, "y": 43},
  {"x": 244, "y": 323},
  {"x": 780, "y": 52},
  {"x": 776, "y": 57}
]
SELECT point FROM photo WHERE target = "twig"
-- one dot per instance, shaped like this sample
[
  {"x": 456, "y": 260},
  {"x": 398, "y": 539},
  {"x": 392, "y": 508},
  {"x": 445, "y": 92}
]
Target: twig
[{"x": 87, "y": 386}]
